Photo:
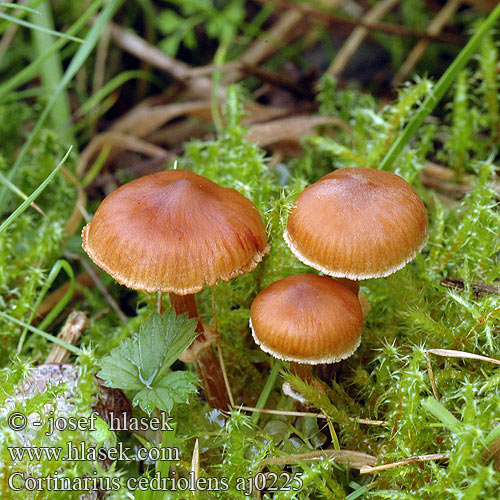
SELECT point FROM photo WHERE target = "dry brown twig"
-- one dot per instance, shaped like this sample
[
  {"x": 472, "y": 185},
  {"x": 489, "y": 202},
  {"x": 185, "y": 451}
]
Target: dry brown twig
[
  {"x": 479, "y": 288},
  {"x": 435, "y": 26},
  {"x": 112, "y": 138},
  {"x": 355, "y": 459},
  {"x": 288, "y": 27},
  {"x": 291, "y": 129},
  {"x": 399, "y": 463},
  {"x": 329, "y": 19},
  {"x": 98, "y": 283},
  {"x": 143, "y": 50},
  {"x": 377, "y": 12},
  {"x": 54, "y": 297},
  {"x": 440, "y": 178},
  {"x": 364, "y": 421}
]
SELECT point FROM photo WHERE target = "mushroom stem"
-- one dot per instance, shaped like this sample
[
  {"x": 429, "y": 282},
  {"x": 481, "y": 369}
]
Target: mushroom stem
[
  {"x": 207, "y": 365},
  {"x": 301, "y": 370},
  {"x": 351, "y": 284}
]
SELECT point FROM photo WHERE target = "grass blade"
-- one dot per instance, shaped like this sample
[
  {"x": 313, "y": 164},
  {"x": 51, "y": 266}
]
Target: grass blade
[
  {"x": 37, "y": 27},
  {"x": 19, "y": 7},
  {"x": 34, "y": 195},
  {"x": 45, "y": 335},
  {"x": 54, "y": 272},
  {"x": 51, "y": 73},
  {"x": 31, "y": 70},
  {"x": 78, "y": 59},
  {"x": 439, "y": 90}
]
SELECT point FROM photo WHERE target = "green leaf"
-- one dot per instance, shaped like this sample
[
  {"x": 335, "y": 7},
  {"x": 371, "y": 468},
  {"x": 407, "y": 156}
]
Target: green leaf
[
  {"x": 139, "y": 363},
  {"x": 118, "y": 371},
  {"x": 173, "y": 387}
]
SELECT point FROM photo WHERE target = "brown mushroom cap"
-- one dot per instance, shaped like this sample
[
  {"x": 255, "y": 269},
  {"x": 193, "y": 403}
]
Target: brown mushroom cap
[
  {"x": 175, "y": 231},
  {"x": 357, "y": 223},
  {"x": 307, "y": 318}
]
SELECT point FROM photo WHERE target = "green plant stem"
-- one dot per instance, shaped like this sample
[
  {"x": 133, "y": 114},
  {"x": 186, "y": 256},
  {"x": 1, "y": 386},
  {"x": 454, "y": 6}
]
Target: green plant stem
[
  {"x": 21, "y": 208},
  {"x": 439, "y": 90},
  {"x": 163, "y": 466},
  {"x": 442, "y": 414},
  {"x": 45, "y": 335},
  {"x": 51, "y": 71},
  {"x": 264, "y": 395}
]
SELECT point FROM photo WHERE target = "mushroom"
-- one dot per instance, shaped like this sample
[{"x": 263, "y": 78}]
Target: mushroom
[
  {"x": 307, "y": 319},
  {"x": 176, "y": 231},
  {"x": 357, "y": 223}
]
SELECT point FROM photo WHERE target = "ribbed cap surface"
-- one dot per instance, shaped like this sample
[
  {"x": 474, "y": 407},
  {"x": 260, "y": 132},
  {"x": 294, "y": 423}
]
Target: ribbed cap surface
[
  {"x": 308, "y": 319},
  {"x": 357, "y": 223},
  {"x": 175, "y": 231}
]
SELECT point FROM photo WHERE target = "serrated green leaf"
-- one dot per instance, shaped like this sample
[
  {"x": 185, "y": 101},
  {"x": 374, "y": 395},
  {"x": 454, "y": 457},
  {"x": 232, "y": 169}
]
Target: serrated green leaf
[
  {"x": 173, "y": 387},
  {"x": 117, "y": 371},
  {"x": 139, "y": 363},
  {"x": 179, "y": 332}
]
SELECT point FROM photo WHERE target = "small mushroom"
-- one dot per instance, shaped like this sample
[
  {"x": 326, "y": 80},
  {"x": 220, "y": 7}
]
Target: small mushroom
[
  {"x": 357, "y": 223},
  {"x": 307, "y": 319},
  {"x": 175, "y": 232}
]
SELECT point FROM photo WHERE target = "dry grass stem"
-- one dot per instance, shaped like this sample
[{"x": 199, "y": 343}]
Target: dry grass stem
[
  {"x": 144, "y": 51},
  {"x": 288, "y": 27},
  {"x": 358, "y": 35},
  {"x": 479, "y": 288},
  {"x": 435, "y": 26},
  {"x": 115, "y": 139},
  {"x": 439, "y": 178},
  {"x": 219, "y": 352},
  {"x": 290, "y": 129},
  {"x": 449, "y": 353},
  {"x": 406, "y": 461},
  {"x": 331, "y": 20},
  {"x": 355, "y": 459},
  {"x": 364, "y": 421},
  {"x": 99, "y": 284}
]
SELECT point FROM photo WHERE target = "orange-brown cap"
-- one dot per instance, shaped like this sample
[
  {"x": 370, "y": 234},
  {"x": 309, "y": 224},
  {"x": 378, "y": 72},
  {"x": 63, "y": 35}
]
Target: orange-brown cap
[
  {"x": 308, "y": 319},
  {"x": 175, "y": 231},
  {"x": 357, "y": 223}
]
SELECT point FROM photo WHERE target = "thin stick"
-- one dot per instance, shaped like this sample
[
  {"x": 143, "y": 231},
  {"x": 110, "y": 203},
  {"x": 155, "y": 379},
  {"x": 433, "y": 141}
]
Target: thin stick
[
  {"x": 195, "y": 463},
  {"x": 435, "y": 26},
  {"x": 461, "y": 354},
  {"x": 149, "y": 53},
  {"x": 219, "y": 352},
  {"x": 90, "y": 271},
  {"x": 328, "y": 19},
  {"x": 306, "y": 414},
  {"x": 358, "y": 35},
  {"x": 479, "y": 288},
  {"x": 281, "y": 33},
  {"x": 355, "y": 459},
  {"x": 432, "y": 379},
  {"x": 406, "y": 461}
]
